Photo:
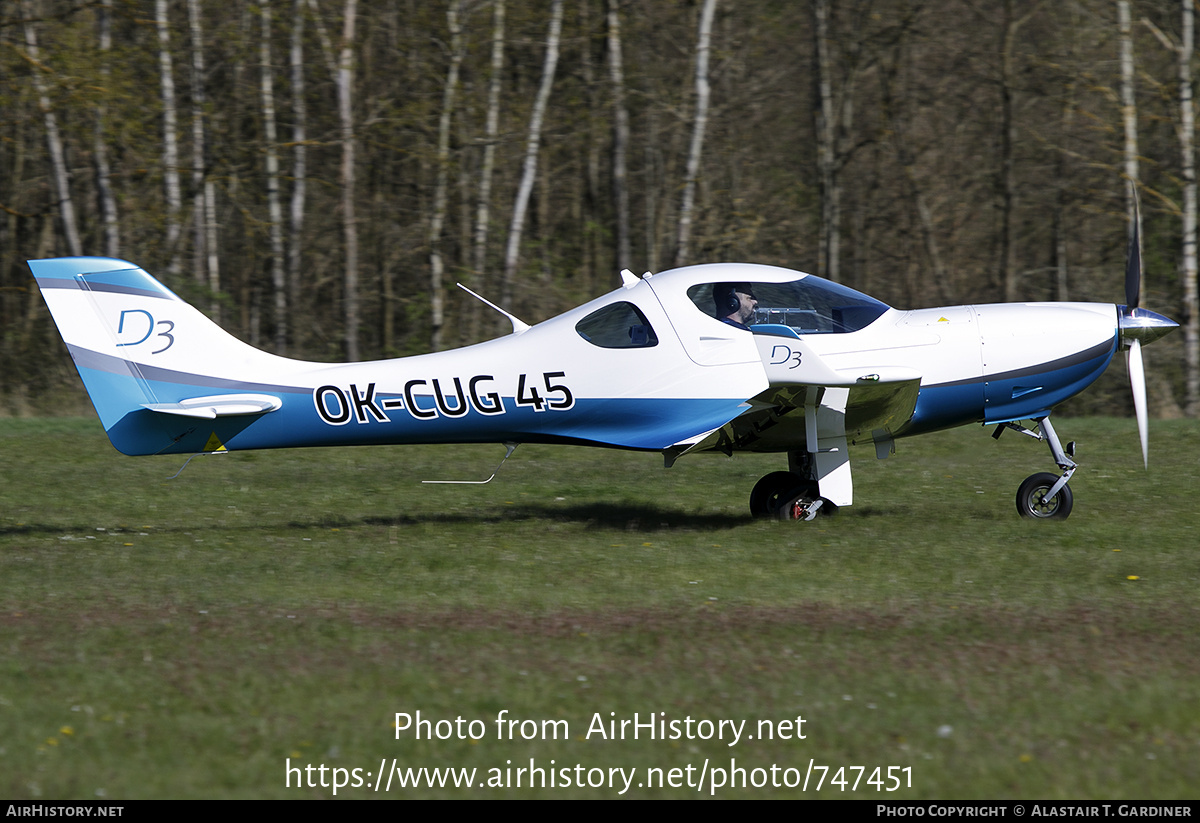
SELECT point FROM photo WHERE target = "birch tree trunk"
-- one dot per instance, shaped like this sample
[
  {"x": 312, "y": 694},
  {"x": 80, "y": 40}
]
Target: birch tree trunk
[
  {"x": 655, "y": 224},
  {"x": 532, "y": 142},
  {"x": 1187, "y": 132},
  {"x": 1129, "y": 117},
  {"x": 108, "y": 201},
  {"x": 58, "y": 163},
  {"x": 274, "y": 205},
  {"x": 204, "y": 210},
  {"x": 196, "y": 31},
  {"x": 704, "y": 38},
  {"x": 437, "y": 296},
  {"x": 620, "y": 137},
  {"x": 299, "y": 167},
  {"x": 482, "y": 214},
  {"x": 345, "y": 80},
  {"x": 170, "y": 155}
]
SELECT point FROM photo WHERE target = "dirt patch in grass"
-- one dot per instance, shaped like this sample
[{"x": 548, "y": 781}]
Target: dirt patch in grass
[{"x": 905, "y": 639}]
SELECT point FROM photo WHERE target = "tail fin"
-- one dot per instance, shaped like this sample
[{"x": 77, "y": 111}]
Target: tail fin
[{"x": 147, "y": 358}]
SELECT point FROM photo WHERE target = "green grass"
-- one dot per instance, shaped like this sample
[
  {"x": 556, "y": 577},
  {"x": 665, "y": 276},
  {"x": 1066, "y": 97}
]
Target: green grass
[{"x": 187, "y": 637}]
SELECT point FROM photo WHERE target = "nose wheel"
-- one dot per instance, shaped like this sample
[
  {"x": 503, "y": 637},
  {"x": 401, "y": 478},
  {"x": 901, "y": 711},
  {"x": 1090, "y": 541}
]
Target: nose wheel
[
  {"x": 1045, "y": 495},
  {"x": 1035, "y": 500}
]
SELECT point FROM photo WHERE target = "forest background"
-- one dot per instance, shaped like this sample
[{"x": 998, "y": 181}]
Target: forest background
[{"x": 317, "y": 174}]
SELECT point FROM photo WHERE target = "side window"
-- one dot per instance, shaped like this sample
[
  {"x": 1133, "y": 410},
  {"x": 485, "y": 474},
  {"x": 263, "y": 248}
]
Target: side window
[{"x": 618, "y": 326}]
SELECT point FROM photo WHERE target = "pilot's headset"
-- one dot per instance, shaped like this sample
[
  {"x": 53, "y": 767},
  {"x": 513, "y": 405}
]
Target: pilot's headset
[{"x": 726, "y": 299}]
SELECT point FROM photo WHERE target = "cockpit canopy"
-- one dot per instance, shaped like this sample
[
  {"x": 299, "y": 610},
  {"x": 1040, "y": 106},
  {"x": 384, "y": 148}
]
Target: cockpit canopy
[
  {"x": 808, "y": 305},
  {"x": 789, "y": 304}
]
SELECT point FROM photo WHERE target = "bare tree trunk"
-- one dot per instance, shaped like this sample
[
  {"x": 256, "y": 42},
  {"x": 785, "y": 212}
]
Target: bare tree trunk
[
  {"x": 1129, "y": 117},
  {"x": 345, "y": 82},
  {"x": 326, "y": 41},
  {"x": 653, "y": 165},
  {"x": 1062, "y": 290},
  {"x": 899, "y": 141},
  {"x": 204, "y": 217},
  {"x": 196, "y": 31},
  {"x": 299, "y": 167},
  {"x": 1009, "y": 276},
  {"x": 482, "y": 215},
  {"x": 174, "y": 196},
  {"x": 59, "y": 172},
  {"x": 829, "y": 239},
  {"x": 532, "y": 142},
  {"x": 586, "y": 197},
  {"x": 1062, "y": 286},
  {"x": 107, "y": 199},
  {"x": 243, "y": 108},
  {"x": 838, "y": 61},
  {"x": 699, "y": 125},
  {"x": 437, "y": 296},
  {"x": 1187, "y": 132},
  {"x": 620, "y": 137},
  {"x": 274, "y": 205}
]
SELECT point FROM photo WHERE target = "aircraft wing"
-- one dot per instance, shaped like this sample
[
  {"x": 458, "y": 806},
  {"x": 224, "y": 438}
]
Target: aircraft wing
[{"x": 808, "y": 400}]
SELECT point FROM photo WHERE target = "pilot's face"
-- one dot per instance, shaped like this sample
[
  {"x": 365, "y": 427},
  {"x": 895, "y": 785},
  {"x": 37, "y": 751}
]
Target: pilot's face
[{"x": 748, "y": 303}]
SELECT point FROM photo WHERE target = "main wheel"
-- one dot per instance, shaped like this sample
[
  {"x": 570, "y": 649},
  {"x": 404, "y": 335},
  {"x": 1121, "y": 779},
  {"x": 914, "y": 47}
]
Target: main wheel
[
  {"x": 1032, "y": 502},
  {"x": 775, "y": 489}
]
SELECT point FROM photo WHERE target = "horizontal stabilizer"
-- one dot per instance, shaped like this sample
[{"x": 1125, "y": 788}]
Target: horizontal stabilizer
[{"x": 219, "y": 405}]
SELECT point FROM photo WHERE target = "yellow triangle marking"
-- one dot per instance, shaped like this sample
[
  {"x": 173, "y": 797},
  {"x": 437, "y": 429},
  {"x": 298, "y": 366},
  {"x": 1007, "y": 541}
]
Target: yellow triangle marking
[
  {"x": 943, "y": 320},
  {"x": 214, "y": 444}
]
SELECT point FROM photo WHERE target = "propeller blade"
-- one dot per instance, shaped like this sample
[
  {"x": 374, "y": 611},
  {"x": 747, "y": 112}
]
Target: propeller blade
[
  {"x": 1137, "y": 382},
  {"x": 1133, "y": 262}
]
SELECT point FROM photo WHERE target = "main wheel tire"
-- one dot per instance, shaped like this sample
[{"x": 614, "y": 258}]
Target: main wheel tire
[
  {"x": 793, "y": 508},
  {"x": 1032, "y": 502},
  {"x": 776, "y": 489}
]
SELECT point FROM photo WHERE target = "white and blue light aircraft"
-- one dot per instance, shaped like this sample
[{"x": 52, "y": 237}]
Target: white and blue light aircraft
[{"x": 650, "y": 366}]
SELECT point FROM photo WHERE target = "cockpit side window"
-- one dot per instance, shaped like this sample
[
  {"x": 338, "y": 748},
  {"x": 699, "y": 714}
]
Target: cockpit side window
[
  {"x": 809, "y": 305},
  {"x": 617, "y": 326}
]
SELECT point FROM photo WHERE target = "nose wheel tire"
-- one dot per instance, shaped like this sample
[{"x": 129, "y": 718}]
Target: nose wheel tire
[{"x": 1032, "y": 502}]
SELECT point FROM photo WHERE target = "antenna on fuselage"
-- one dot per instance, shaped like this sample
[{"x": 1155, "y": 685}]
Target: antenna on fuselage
[
  {"x": 512, "y": 447},
  {"x": 629, "y": 279},
  {"x": 517, "y": 324}
]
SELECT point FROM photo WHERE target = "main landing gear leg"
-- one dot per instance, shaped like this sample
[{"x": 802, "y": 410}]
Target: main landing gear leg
[{"x": 1045, "y": 494}]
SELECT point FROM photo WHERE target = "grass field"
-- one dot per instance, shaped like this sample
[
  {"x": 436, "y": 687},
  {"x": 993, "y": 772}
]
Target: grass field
[{"x": 196, "y": 637}]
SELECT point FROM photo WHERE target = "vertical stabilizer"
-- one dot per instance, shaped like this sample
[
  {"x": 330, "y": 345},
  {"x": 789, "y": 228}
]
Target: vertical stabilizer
[{"x": 144, "y": 355}]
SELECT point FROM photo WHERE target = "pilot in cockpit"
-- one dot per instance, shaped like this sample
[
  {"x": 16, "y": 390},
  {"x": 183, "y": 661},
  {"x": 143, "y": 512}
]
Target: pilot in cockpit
[{"x": 735, "y": 303}]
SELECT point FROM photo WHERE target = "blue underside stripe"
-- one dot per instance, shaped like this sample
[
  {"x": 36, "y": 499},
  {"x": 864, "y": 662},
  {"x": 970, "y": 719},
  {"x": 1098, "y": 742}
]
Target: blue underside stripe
[{"x": 622, "y": 423}]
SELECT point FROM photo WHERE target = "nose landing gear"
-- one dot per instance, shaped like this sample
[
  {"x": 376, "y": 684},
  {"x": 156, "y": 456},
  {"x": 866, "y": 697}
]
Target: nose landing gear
[{"x": 1045, "y": 495}]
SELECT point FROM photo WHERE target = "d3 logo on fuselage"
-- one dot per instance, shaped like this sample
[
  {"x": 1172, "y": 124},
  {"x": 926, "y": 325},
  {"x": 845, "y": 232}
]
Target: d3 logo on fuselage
[{"x": 783, "y": 354}]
